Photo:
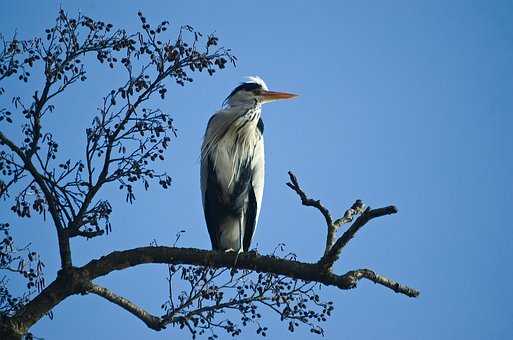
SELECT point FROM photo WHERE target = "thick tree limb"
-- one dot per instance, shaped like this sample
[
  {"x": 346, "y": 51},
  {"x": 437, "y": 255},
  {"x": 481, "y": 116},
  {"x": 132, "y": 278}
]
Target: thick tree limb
[
  {"x": 171, "y": 255},
  {"x": 77, "y": 280}
]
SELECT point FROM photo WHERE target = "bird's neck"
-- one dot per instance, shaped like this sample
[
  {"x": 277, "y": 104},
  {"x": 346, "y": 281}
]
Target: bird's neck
[
  {"x": 245, "y": 104},
  {"x": 249, "y": 116}
]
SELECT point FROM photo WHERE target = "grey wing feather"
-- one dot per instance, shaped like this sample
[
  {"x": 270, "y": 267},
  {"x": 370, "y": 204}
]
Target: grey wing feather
[
  {"x": 218, "y": 205},
  {"x": 211, "y": 192},
  {"x": 212, "y": 201},
  {"x": 255, "y": 192}
]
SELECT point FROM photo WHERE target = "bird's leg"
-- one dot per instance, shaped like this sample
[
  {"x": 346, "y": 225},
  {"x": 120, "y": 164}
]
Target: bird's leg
[
  {"x": 234, "y": 268},
  {"x": 241, "y": 237},
  {"x": 241, "y": 230}
]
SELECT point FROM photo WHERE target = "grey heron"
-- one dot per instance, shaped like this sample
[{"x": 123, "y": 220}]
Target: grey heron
[{"x": 232, "y": 166}]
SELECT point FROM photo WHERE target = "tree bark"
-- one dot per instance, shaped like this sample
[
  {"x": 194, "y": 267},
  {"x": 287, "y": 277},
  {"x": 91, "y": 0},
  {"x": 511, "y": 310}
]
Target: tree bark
[
  {"x": 9, "y": 331},
  {"x": 78, "y": 280}
]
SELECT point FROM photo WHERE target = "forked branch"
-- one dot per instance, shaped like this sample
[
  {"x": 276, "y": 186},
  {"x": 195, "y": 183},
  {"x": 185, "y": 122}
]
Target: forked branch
[
  {"x": 334, "y": 253},
  {"x": 334, "y": 248}
]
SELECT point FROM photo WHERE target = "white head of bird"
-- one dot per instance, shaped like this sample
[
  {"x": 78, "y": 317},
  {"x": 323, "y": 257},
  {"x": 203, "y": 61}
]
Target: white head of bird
[
  {"x": 232, "y": 166},
  {"x": 253, "y": 92}
]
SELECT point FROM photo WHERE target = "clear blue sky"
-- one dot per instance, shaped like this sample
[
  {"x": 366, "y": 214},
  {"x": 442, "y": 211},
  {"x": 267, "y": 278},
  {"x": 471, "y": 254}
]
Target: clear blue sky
[{"x": 402, "y": 102}]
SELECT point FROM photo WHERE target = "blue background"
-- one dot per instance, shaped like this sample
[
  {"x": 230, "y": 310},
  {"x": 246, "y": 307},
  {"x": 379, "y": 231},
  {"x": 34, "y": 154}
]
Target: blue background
[{"x": 402, "y": 102}]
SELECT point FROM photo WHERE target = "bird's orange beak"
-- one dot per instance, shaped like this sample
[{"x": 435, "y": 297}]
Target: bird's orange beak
[{"x": 268, "y": 96}]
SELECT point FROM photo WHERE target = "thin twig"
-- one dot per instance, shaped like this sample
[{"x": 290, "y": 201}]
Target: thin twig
[{"x": 294, "y": 185}]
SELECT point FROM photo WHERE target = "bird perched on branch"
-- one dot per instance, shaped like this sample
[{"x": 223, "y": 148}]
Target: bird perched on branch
[{"x": 232, "y": 166}]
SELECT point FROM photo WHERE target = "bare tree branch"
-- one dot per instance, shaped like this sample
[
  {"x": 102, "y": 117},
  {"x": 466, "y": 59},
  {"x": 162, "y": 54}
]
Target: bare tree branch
[
  {"x": 158, "y": 323},
  {"x": 77, "y": 280},
  {"x": 153, "y": 322},
  {"x": 334, "y": 253},
  {"x": 172, "y": 255},
  {"x": 379, "y": 279},
  {"x": 332, "y": 248},
  {"x": 294, "y": 185},
  {"x": 64, "y": 247}
]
